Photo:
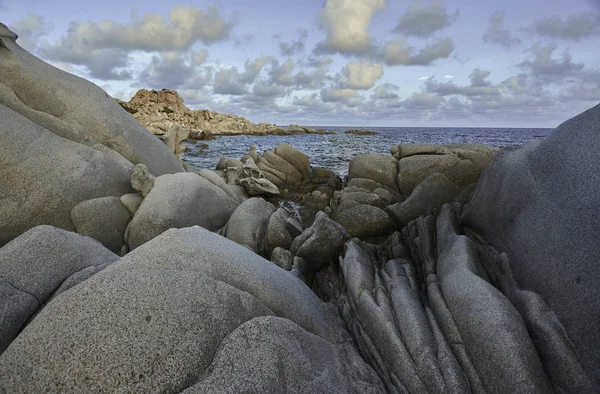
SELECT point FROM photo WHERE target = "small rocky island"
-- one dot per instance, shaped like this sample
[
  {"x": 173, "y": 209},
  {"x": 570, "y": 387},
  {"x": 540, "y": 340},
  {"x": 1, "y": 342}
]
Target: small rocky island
[{"x": 429, "y": 269}]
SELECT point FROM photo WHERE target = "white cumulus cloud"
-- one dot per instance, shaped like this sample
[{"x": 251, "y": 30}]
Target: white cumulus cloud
[
  {"x": 362, "y": 75},
  {"x": 347, "y": 24}
]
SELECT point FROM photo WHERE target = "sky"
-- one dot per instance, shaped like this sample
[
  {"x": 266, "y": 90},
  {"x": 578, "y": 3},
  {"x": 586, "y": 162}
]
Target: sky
[{"x": 402, "y": 63}]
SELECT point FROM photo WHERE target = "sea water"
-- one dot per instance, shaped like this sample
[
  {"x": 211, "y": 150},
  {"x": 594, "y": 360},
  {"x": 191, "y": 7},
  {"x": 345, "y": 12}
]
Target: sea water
[{"x": 334, "y": 151}]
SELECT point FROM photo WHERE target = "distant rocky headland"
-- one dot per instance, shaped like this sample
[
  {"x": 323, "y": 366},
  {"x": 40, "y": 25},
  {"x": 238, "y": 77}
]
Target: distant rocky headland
[
  {"x": 161, "y": 110},
  {"x": 455, "y": 268}
]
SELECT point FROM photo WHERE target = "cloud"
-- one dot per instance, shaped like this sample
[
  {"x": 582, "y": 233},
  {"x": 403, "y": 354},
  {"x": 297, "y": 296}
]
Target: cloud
[
  {"x": 311, "y": 103},
  {"x": 422, "y": 102},
  {"x": 497, "y": 34},
  {"x": 244, "y": 41},
  {"x": 296, "y": 46},
  {"x": 312, "y": 79},
  {"x": 425, "y": 78},
  {"x": 478, "y": 78},
  {"x": 575, "y": 27},
  {"x": 347, "y": 25},
  {"x": 543, "y": 65},
  {"x": 448, "y": 77},
  {"x": 479, "y": 87},
  {"x": 399, "y": 52},
  {"x": 318, "y": 61},
  {"x": 349, "y": 97},
  {"x": 174, "y": 70},
  {"x": 30, "y": 29},
  {"x": 361, "y": 75},
  {"x": 104, "y": 48},
  {"x": 282, "y": 73},
  {"x": 386, "y": 91},
  {"x": 183, "y": 27},
  {"x": 263, "y": 89},
  {"x": 252, "y": 68},
  {"x": 422, "y": 20},
  {"x": 227, "y": 81},
  {"x": 104, "y": 64},
  {"x": 230, "y": 81}
]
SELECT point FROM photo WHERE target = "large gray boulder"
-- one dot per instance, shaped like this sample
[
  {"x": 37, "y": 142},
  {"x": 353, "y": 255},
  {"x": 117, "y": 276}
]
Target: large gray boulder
[
  {"x": 278, "y": 234},
  {"x": 293, "y": 156},
  {"x": 382, "y": 169},
  {"x": 433, "y": 192},
  {"x": 321, "y": 243},
  {"x": 104, "y": 219},
  {"x": 539, "y": 204},
  {"x": 461, "y": 163},
  {"x": 43, "y": 176},
  {"x": 278, "y": 170},
  {"x": 187, "y": 310},
  {"x": 177, "y": 201},
  {"x": 363, "y": 220},
  {"x": 248, "y": 224},
  {"x": 35, "y": 265},
  {"x": 75, "y": 109}
]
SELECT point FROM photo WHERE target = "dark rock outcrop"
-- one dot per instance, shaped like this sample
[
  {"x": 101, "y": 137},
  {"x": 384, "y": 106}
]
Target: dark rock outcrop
[{"x": 539, "y": 204}]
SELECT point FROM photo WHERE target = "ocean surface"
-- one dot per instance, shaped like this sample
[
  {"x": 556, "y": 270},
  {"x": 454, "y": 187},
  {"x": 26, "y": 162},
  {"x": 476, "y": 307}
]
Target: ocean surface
[{"x": 334, "y": 151}]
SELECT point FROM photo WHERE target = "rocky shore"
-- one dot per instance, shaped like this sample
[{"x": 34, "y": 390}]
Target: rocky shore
[{"x": 429, "y": 269}]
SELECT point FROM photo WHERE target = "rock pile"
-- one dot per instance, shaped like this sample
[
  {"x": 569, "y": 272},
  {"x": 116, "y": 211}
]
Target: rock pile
[{"x": 119, "y": 271}]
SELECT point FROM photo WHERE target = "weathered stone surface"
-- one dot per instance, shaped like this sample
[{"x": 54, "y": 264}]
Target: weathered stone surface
[
  {"x": 43, "y": 176},
  {"x": 432, "y": 193},
  {"x": 283, "y": 258},
  {"x": 293, "y": 156},
  {"x": 280, "y": 354},
  {"x": 17, "y": 307},
  {"x": 321, "y": 243},
  {"x": 157, "y": 319},
  {"x": 539, "y": 204},
  {"x": 226, "y": 162},
  {"x": 282, "y": 172},
  {"x": 278, "y": 233},
  {"x": 104, "y": 219},
  {"x": 461, "y": 163},
  {"x": 75, "y": 109},
  {"x": 180, "y": 200},
  {"x": 488, "y": 322},
  {"x": 364, "y": 198},
  {"x": 382, "y": 169},
  {"x": 363, "y": 221},
  {"x": 34, "y": 265},
  {"x": 218, "y": 181},
  {"x": 132, "y": 202},
  {"x": 259, "y": 186},
  {"x": 248, "y": 224},
  {"x": 142, "y": 180}
]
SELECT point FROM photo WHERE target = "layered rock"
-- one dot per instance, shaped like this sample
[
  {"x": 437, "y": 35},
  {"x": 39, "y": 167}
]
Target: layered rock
[
  {"x": 462, "y": 164},
  {"x": 372, "y": 186}
]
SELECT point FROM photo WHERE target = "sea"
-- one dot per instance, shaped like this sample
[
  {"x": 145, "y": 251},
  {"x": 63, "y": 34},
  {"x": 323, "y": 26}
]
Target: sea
[{"x": 334, "y": 151}]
